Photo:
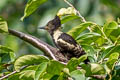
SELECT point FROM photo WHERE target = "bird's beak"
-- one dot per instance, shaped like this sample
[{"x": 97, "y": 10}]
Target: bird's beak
[{"x": 42, "y": 28}]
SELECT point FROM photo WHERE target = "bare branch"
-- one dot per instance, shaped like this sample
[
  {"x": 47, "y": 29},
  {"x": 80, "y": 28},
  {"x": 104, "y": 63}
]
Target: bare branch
[
  {"x": 48, "y": 50},
  {"x": 34, "y": 41},
  {"x": 6, "y": 76}
]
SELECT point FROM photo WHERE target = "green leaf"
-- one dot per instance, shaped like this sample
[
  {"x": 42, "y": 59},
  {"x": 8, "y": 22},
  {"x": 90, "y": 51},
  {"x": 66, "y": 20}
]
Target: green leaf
[
  {"x": 98, "y": 40},
  {"x": 5, "y": 49},
  {"x": 112, "y": 50},
  {"x": 7, "y": 55},
  {"x": 41, "y": 68},
  {"x": 72, "y": 64},
  {"x": 105, "y": 52},
  {"x": 27, "y": 75},
  {"x": 3, "y": 26},
  {"x": 111, "y": 25},
  {"x": 66, "y": 71},
  {"x": 87, "y": 69},
  {"x": 89, "y": 50},
  {"x": 75, "y": 31},
  {"x": 47, "y": 76},
  {"x": 63, "y": 76},
  {"x": 69, "y": 18},
  {"x": 88, "y": 38},
  {"x": 14, "y": 77},
  {"x": 97, "y": 69},
  {"x": 54, "y": 67},
  {"x": 112, "y": 59},
  {"x": 108, "y": 28},
  {"x": 77, "y": 75},
  {"x": 31, "y": 6},
  {"x": 29, "y": 60},
  {"x": 66, "y": 11},
  {"x": 82, "y": 58}
]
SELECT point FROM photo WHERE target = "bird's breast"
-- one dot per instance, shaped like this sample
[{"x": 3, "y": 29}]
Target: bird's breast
[{"x": 56, "y": 35}]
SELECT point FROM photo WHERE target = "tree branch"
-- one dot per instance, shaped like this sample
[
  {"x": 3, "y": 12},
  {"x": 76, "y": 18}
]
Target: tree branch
[
  {"x": 6, "y": 76},
  {"x": 48, "y": 50}
]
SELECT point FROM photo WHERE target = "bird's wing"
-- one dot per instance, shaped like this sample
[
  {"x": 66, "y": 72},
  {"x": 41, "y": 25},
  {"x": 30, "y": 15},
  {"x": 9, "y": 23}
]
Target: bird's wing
[
  {"x": 66, "y": 42},
  {"x": 67, "y": 38}
]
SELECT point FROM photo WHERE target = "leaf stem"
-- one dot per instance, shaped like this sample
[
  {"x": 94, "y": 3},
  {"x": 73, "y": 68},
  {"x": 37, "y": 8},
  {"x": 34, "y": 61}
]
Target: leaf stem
[
  {"x": 115, "y": 43},
  {"x": 6, "y": 76},
  {"x": 101, "y": 29},
  {"x": 106, "y": 37}
]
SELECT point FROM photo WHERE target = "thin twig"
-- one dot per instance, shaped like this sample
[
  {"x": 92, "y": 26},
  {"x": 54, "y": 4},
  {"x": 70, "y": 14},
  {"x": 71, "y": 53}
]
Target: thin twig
[
  {"x": 6, "y": 76},
  {"x": 76, "y": 10},
  {"x": 82, "y": 18}
]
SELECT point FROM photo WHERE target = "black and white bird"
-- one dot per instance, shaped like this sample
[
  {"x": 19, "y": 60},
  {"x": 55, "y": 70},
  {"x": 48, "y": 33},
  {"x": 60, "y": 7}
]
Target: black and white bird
[{"x": 64, "y": 42}]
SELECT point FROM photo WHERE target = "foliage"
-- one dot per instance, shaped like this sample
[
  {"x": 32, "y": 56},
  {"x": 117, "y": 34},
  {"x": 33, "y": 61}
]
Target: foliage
[
  {"x": 3, "y": 25},
  {"x": 101, "y": 43}
]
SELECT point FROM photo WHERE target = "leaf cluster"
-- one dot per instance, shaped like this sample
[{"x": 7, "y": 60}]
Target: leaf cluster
[{"x": 101, "y": 44}]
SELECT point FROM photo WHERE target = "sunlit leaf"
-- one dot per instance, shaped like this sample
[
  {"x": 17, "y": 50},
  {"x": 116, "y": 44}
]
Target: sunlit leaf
[
  {"x": 87, "y": 35},
  {"x": 41, "y": 68},
  {"x": 66, "y": 11},
  {"x": 82, "y": 58},
  {"x": 112, "y": 59},
  {"x": 3, "y": 25},
  {"x": 54, "y": 67},
  {"x": 98, "y": 40},
  {"x": 29, "y": 60},
  {"x": 7, "y": 55},
  {"x": 31, "y": 6},
  {"x": 75, "y": 31},
  {"x": 112, "y": 50},
  {"x": 77, "y": 75},
  {"x": 66, "y": 71},
  {"x": 89, "y": 50},
  {"x": 72, "y": 64},
  {"x": 97, "y": 69},
  {"x": 27, "y": 75},
  {"x": 88, "y": 38},
  {"x": 69, "y": 18},
  {"x": 109, "y": 27}
]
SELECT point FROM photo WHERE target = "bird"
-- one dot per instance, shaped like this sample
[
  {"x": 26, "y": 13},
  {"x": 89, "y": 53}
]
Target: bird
[{"x": 63, "y": 41}]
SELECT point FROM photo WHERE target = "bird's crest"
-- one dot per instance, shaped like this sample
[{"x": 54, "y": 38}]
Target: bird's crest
[{"x": 56, "y": 21}]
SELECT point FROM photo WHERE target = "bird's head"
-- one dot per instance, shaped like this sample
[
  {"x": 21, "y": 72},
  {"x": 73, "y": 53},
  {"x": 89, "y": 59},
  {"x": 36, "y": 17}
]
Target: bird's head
[{"x": 52, "y": 25}]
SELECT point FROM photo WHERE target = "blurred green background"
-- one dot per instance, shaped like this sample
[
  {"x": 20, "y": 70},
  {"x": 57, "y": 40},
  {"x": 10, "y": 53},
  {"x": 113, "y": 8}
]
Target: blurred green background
[{"x": 98, "y": 11}]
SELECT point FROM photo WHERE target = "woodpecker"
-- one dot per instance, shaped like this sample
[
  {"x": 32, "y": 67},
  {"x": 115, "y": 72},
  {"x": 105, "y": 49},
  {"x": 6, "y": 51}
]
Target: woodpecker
[{"x": 63, "y": 41}]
